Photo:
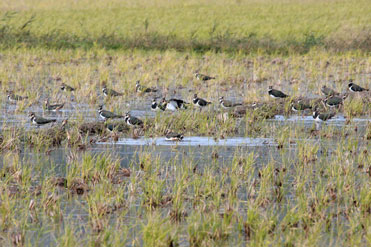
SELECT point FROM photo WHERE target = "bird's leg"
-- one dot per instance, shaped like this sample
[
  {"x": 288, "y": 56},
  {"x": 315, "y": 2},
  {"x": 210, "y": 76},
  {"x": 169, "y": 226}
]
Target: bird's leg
[{"x": 318, "y": 125}]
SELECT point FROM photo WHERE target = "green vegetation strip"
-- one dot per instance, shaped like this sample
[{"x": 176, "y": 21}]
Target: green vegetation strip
[{"x": 275, "y": 27}]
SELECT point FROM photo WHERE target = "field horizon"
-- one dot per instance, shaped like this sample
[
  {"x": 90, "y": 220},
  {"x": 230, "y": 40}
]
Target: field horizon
[{"x": 264, "y": 27}]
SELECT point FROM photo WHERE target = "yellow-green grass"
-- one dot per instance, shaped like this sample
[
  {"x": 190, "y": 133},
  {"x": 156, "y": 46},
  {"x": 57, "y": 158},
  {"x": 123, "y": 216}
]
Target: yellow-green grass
[
  {"x": 32, "y": 72},
  {"x": 236, "y": 26}
]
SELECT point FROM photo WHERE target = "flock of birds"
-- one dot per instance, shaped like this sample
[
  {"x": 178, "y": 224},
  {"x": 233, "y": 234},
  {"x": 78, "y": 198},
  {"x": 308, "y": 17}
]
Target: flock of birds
[{"x": 333, "y": 99}]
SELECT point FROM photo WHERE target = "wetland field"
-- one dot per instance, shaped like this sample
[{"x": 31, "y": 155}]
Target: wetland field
[{"x": 185, "y": 123}]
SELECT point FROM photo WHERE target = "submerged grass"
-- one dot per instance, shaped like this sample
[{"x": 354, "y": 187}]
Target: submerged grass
[{"x": 320, "y": 190}]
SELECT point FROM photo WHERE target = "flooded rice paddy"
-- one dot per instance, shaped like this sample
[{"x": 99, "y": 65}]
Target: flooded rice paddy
[
  {"x": 246, "y": 176},
  {"x": 201, "y": 190}
]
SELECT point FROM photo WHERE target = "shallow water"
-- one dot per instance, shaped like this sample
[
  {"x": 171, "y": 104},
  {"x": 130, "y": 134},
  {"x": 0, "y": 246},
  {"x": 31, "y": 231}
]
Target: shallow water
[
  {"x": 339, "y": 119},
  {"x": 197, "y": 141},
  {"x": 204, "y": 152},
  {"x": 201, "y": 150}
]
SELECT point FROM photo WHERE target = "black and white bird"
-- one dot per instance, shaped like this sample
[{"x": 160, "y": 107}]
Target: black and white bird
[
  {"x": 104, "y": 114},
  {"x": 203, "y": 77},
  {"x": 133, "y": 121},
  {"x": 174, "y": 104},
  {"x": 355, "y": 88},
  {"x": 53, "y": 107},
  {"x": 321, "y": 117},
  {"x": 200, "y": 102},
  {"x": 172, "y": 136},
  {"x": 157, "y": 106},
  {"x": 110, "y": 92},
  {"x": 335, "y": 101},
  {"x": 15, "y": 98},
  {"x": 37, "y": 120},
  {"x": 226, "y": 104},
  {"x": 117, "y": 127},
  {"x": 274, "y": 93},
  {"x": 328, "y": 91},
  {"x": 300, "y": 106},
  {"x": 142, "y": 89},
  {"x": 66, "y": 88}
]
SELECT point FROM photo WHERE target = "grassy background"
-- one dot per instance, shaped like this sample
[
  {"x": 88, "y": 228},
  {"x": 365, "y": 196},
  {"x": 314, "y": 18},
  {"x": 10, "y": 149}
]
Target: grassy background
[{"x": 278, "y": 27}]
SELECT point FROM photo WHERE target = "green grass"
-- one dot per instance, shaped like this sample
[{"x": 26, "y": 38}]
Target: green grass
[
  {"x": 318, "y": 197},
  {"x": 233, "y": 26}
]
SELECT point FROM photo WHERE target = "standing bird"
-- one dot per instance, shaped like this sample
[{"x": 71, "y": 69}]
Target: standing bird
[
  {"x": 55, "y": 107},
  {"x": 328, "y": 91},
  {"x": 171, "y": 136},
  {"x": 66, "y": 88},
  {"x": 203, "y": 77},
  {"x": 322, "y": 116},
  {"x": 200, "y": 102},
  {"x": 14, "y": 98},
  {"x": 110, "y": 92},
  {"x": 174, "y": 104},
  {"x": 142, "y": 89},
  {"x": 104, "y": 114},
  {"x": 226, "y": 104},
  {"x": 355, "y": 88},
  {"x": 40, "y": 120},
  {"x": 335, "y": 101},
  {"x": 274, "y": 93},
  {"x": 133, "y": 121},
  {"x": 156, "y": 107}
]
